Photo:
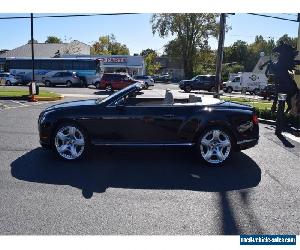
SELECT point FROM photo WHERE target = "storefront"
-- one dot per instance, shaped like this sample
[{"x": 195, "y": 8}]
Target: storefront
[{"x": 133, "y": 65}]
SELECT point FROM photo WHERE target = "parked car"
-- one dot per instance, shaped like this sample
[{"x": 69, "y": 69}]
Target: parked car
[
  {"x": 67, "y": 78},
  {"x": 268, "y": 92},
  {"x": 115, "y": 81},
  {"x": 146, "y": 79},
  {"x": 9, "y": 79},
  {"x": 214, "y": 128},
  {"x": 162, "y": 78},
  {"x": 199, "y": 82},
  {"x": 248, "y": 81}
]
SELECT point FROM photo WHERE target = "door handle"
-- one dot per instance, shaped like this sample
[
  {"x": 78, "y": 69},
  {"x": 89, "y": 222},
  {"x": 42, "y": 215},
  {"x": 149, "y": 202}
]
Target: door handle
[{"x": 169, "y": 115}]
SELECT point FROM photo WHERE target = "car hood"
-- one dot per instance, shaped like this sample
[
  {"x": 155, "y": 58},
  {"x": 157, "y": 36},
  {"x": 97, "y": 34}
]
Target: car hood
[{"x": 90, "y": 102}]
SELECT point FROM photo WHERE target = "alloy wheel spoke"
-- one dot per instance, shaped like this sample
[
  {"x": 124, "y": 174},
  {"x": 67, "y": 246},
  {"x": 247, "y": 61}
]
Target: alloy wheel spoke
[
  {"x": 225, "y": 143},
  {"x": 216, "y": 135},
  {"x": 61, "y": 136},
  {"x": 205, "y": 142},
  {"x": 73, "y": 151},
  {"x": 72, "y": 131},
  {"x": 79, "y": 142},
  {"x": 219, "y": 154},
  {"x": 208, "y": 155},
  {"x": 63, "y": 148}
]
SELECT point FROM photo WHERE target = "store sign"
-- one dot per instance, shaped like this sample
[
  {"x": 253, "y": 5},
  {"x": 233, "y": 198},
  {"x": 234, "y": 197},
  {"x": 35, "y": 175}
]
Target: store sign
[{"x": 113, "y": 59}]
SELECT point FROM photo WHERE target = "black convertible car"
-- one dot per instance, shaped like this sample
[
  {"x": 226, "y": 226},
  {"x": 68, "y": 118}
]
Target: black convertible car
[{"x": 213, "y": 127}]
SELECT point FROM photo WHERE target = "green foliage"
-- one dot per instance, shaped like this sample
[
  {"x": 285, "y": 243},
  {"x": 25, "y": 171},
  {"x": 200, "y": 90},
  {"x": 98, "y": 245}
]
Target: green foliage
[
  {"x": 107, "y": 45},
  {"x": 53, "y": 39},
  {"x": 288, "y": 40},
  {"x": 227, "y": 68},
  {"x": 152, "y": 67},
  {"x": 191, "y": 31},
  {"x": 146, "y": 52}
]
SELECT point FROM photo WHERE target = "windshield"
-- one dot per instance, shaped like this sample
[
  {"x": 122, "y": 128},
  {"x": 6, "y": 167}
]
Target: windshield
[{"x": 120, "y": 92}]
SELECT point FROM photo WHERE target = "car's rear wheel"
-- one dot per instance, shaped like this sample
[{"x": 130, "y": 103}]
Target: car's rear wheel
[
  {"x": 187, "y": 88},
  {"x": 70, "y": 141},
  {"x": 214, "y": 146},
  {"x": 256, "y": 91},
  {"x": 212, "y": 89},
  {"x": 109, "y": 88},
  {"x": 69, "y": 84},
  {"x": 8, "y": 82},
  {"x": 48, "y": 84},
  {"x": 229, "y": 89}
]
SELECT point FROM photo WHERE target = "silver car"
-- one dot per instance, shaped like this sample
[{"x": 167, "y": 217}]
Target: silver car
[
  {"x": 67, "y": 78},
  {"x": 8, "y": 79},
  {"x": 146, "y": 79}
]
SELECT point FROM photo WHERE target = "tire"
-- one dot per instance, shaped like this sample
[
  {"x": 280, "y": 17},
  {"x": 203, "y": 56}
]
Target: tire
[
  {"x": 109, "y": 88},
  {"x": 70, "y": 141},
  {"x": 187, "y": 88},
  {"x": 69, "y": 84},
  {"x": 48, "y": 84},
  {"x": 214, "y": 146},
  {"x": 212, "y": 89},
  {"x": 229, "y": 89},
  {"x": 256, "y": 91},
  {"x": 146, "y": 85},
  {"x": 8, "y": 82},
  {"x": 97, "y": 85}
]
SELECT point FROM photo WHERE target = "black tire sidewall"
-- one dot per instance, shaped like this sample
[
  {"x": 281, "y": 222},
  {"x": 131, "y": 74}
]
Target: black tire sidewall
[{"x": 187, "y": 88}]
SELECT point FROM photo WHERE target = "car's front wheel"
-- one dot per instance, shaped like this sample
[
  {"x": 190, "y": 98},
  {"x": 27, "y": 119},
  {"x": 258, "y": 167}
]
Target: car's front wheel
[
  {"x": 214, "y": 146},
  {"x": 8, "y": 83},
  {"x": 187, "y": 88},
  {"x": 69, "y": 84},
  {"x": 109, "y": 88},
  {"x": 70, "y": 141}
]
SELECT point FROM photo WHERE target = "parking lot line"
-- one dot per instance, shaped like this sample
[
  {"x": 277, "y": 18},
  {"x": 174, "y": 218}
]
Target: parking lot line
[{"x": 19, "y": 103}]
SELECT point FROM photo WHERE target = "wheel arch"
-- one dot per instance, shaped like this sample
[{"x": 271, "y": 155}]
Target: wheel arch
[
  {"x": 62, "y": 121},
  {"x": 225, "y": 125}
]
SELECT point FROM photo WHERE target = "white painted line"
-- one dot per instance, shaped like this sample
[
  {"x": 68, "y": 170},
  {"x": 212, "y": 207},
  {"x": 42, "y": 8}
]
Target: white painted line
[
  {"x": 79, "y": 95},
  {"x": 292, "y": 137},
  {"x": 24, "y": 105}
]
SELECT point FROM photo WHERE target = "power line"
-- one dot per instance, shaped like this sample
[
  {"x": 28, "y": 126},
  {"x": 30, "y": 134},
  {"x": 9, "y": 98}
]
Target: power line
[
  {"x": 70, "y": 15},
  {"x": 275, "y": 17}
]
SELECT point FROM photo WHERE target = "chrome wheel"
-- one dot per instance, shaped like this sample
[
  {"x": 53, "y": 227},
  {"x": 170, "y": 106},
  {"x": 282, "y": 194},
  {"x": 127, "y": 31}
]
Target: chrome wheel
[
  {"x": 69, "y": 142},
  {"x": 215, "y": 146}
]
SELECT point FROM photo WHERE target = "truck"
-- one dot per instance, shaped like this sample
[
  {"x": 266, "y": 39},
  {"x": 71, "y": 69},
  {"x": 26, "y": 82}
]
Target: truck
[{"x": 246, "y": 82}]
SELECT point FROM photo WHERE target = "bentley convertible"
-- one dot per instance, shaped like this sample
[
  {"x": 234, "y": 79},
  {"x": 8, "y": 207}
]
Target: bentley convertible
[{"x": 214, "y": 128}]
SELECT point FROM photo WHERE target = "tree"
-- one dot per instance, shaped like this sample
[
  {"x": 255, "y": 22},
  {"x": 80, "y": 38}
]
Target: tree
[
  {"x": 107, "y": 45},
  {"x": 191, "y": 30},
  {"x": 146, "y": 52},
  {"x": 151, "y": 65},
  {"x": 53, "y": 39},
  {"x": 288, "y": 40}
]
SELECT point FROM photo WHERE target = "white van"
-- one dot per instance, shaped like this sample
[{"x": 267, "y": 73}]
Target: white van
[{"x": 248, "y": 81}]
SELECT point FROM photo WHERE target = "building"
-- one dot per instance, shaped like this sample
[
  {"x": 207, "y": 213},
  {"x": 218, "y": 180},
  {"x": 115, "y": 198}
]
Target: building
[
  {"x": 172, "y": 66},
  {"x": 47, "y": 50},
  {"x": 133, "y": 65}
]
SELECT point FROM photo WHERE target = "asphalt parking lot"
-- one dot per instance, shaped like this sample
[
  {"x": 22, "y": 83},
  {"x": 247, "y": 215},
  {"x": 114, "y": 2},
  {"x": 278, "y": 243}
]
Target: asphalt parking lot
[{"x": 143, "y": 191}]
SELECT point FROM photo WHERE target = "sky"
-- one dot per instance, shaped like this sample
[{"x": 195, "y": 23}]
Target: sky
[{"x": 134, "y": 30}]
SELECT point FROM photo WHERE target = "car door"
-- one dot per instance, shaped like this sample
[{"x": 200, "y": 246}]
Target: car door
[
  {"x": 56, "y": 78},
  {"x": 160, "y": 124}
]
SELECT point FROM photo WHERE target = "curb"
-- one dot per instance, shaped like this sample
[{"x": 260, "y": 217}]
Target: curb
[{"x": 26, "y": 98}]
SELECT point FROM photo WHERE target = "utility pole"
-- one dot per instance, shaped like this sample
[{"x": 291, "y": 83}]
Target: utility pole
[
  {"x": 220, "y": 54},
  {"x": 32, "y": 48}
]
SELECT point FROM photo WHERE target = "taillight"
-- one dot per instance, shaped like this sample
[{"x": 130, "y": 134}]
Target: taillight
[{"x": 254, "y": 119}]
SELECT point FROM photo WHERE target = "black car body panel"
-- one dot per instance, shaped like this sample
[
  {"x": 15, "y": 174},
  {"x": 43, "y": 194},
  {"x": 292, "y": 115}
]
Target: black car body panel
[{"x": 110, "y": 121}]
